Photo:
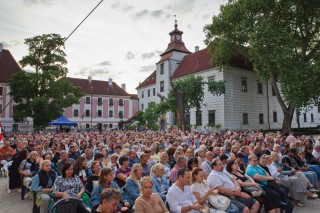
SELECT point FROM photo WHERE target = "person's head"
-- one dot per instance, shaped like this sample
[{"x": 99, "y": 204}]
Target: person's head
[
  {"x": 123, "y": 160},
  {"x": 209, "y": 156},
  {"x": 132, "y": 154},
  {"x": 171, "y": 151},
  {"x": 253, "y": 160},
  {"x": 263, "y": 161},
  {"x": 106, "y": 176},
  {"x": 317, "y": 148},
  {"x": 64, "y": 155},
  {"x": 67, "y": 170},
  {"x": 197, "y": 175},
  {"x": 217, "y": 165},
  {"x": 98, "y": 157},
  {"x": 109, "y": 200},
  {"x": 114, "y": 157},
  {"x": 184, "y": 176},
  {"x": 81, "y": 163},
  {"x": 192, "y": 163},
  {"x": 136, "y": 171},
  {"x": 292, "y": 152},
  {"x": 157, "y": 170},
  {"x": 23, "y": 154},
  {"x": 201, "y": 152},
  {"x": 216, "y": 151},
  {"x": 189, "y": 153},
  {"x": 33, "y": 155},
  {"x": 181, "y": 161},
  {"x": 245, "y": 150},
  {"x": 95, "y": 167},
  {"x": 275, "y": 156},
  {"x": 88, "y": 154},
  {"x": 146, "y": 186},
  {"x": 73, "y": 149},
  {"x": 232, "y": 166},
  {"x": 143, "y": 159},
  {"x": 46, "y": 165},
  {"x": 6, "y": 144},
  {"x": 163, "y": 157}
]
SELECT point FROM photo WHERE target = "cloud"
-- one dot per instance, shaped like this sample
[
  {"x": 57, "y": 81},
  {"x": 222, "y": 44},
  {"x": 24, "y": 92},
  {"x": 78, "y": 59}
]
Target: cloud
[
  {"x": 115, "y": 5},
  {"x": 35, "y": 2},
  {"x": 189, "y": 26},
  {"x": 148, "y": 55},
  {"x": 127, "y": 8},
  {"x": 10, "y": 44},
  {"x": 157, "y": 13},
  {"x": 105, "y": 63},
  {"x": 206, "y": 16},
  {"x": 147, "y": 68},
  {"x": 130, "y": 55},
  {"x": 141, "y": 14},
  {"x": 86, "y": 72}
]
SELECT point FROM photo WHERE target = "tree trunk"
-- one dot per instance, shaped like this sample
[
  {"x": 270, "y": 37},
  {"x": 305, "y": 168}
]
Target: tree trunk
[
  {"x": 298, "y": 118},
  {"x": 180, "y": 111},
  {"x": 287, "y": 119}
]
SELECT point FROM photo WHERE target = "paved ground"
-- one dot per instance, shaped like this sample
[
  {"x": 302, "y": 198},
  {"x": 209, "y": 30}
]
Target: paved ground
[{"x": 11, "y": 203}]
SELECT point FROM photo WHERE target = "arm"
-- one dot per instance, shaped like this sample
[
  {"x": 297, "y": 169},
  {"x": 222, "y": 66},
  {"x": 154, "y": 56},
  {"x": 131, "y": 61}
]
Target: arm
[
  {"x": 130, "y": 186},
  {"x": 258, "y": 177},
  {"x": 121, "y": 177},
  {"x": 138, "y": 206},
  {"x": 35, "y": 184}
]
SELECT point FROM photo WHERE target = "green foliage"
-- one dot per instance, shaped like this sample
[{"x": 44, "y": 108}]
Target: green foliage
[
  {"x": 282, "y": 39},
  {"x": 151, "y": 115},
  {"x": 45, "y": 93}
]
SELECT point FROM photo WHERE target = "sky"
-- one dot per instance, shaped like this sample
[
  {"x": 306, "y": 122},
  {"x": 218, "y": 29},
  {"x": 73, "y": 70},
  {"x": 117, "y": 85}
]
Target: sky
[{"x": 121, "y": 39}]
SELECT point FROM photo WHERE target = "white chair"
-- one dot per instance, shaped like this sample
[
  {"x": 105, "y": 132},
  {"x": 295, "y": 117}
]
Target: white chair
[{"x": 6, "y": 167}]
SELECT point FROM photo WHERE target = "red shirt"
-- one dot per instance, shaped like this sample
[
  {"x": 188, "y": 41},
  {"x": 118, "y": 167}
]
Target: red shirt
[{"x": 5, "y": 151}]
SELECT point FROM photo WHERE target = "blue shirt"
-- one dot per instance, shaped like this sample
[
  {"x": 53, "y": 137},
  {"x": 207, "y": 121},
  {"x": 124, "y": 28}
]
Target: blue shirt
[{"x": 252, "y": 170}]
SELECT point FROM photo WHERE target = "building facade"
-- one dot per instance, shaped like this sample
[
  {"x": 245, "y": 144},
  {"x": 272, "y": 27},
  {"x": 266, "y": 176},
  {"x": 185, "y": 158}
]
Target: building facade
[{"x": 246, "y": 104}]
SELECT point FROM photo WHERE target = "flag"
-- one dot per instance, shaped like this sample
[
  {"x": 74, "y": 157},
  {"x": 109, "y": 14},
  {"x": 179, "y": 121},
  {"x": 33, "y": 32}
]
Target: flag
[{"x": 1, "y": 133}]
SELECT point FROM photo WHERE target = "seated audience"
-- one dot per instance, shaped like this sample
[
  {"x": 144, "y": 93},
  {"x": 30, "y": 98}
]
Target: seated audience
[
  {"x": 109, "y": 200},
  {"x": 161, "y": 184}
]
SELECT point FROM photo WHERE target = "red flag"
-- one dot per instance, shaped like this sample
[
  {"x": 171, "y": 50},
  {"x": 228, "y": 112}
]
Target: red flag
[{"x": 1, "y": 132}]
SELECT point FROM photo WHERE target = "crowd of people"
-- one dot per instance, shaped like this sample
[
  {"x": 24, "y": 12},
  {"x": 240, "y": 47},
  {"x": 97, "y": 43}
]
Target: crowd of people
[{"x": 198, "y": 171}]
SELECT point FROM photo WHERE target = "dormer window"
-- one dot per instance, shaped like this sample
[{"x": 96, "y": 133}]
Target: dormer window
[{"x": 161, "y": 69}]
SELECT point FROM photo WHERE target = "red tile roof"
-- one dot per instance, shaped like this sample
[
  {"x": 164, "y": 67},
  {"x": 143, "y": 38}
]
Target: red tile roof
[
  {"x": 98, "y": 87},
  {"x": 134, "y": 96},
  {"x": 200, "y": 60},
  {"x": 149, "y": 81},
  {"x": 165, "y": 57},
  {"x": 8, "y": 66},
  {"x": 176, "y": 46}
]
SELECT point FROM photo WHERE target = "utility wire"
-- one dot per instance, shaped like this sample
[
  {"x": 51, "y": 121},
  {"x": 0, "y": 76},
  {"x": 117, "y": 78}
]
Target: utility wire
[{"x": 79, "y": 25}]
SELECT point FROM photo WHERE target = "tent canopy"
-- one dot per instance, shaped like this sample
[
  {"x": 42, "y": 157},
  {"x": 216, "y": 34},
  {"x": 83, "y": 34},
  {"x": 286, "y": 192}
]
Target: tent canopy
[{"x": 63, "y": 121}]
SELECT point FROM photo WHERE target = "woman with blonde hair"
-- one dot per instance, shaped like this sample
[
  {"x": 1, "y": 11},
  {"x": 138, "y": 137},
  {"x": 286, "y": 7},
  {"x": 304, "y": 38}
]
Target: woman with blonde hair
[
  {"x": 160, "y": 181},
  {"x": 29, "y": 167},
  {"x": 132, "y": 183},
  {"x": 148, "y": 201}
]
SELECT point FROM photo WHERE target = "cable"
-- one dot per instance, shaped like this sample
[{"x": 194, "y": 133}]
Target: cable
[{"x": 78, "y": 25}]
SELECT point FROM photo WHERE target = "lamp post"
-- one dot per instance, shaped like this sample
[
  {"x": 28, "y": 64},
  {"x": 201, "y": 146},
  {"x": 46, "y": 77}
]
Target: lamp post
[{"x": 91, "y": 87}]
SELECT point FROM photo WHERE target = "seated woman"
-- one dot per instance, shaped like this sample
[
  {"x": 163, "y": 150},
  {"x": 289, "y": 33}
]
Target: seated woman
[
  {"x": 81, "y": 170},
  {"x": 132, "y": 183},
  {"x": 106, "y": 181},
  {"x": 123, "y": 172},
  {"x": 29, "y": 167},
  {"x": 68, "y": 184},
  {"x": 161, "y": 184},
  {"x": 201, "y": 190},
  {"x": 246, "y": 181},
  {"x": 148, "y": 201},
  {"x": 14, "y": 175},
  {"x": 113, "y": 164},
  {"x": 49, "y": 156},
  {"x": 192, "y": 163},
  {"x": 43, "y": 181},
  {"x": 92, "y": 181}
]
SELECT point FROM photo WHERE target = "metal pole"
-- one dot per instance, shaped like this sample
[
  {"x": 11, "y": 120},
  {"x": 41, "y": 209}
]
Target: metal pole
[{"x": 91, "y": 104}]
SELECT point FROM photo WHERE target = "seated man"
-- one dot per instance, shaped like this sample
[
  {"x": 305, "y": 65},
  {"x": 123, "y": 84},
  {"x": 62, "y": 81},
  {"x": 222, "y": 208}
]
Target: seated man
[
  {"x": 63, "y": 160},
  {"x": 109, "y": 200},
  {"x": 228, "y": 186},
  {"x": 179, "y": 196}
]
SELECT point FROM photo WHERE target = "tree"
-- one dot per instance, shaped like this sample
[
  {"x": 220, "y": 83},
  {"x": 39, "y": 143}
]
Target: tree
[
  {"x": 187, "y": 93},
  {"x": 282, "y": 39},
  {"x": 43, "y": 94},
  {"x": 151, "y": 116}
]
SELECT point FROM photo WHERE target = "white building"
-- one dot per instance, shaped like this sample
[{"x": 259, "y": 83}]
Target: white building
[{"x": 247, "y": 103}]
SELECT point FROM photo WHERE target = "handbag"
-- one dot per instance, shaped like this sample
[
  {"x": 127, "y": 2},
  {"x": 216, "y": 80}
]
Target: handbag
[
  {"x": 220, "y": 202},
  {"x": 253, "y": 191},
  {"x": 274, "y": 185}
]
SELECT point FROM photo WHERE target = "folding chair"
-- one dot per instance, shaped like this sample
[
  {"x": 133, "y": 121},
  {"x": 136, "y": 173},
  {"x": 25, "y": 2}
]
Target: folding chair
[{"x": 69, "y": 205}]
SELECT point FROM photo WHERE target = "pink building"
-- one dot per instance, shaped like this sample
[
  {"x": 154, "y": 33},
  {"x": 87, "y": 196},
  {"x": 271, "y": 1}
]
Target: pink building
[{"x": 108, "y": 102}]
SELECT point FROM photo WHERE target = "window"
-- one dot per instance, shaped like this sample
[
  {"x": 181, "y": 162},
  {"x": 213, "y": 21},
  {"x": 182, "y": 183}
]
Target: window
[
  {"x": 273, "y": 91},
  {"x": 312, "y": 119},
  {"x": 245, "y": 119},
  {"x": 187, "y": 118},
  {"x": 154, "y": 91},
  {"x": 148, "y": 93},
  {"x": 318, "y": 108},
  {"x": 161, "y": 69},
  {"x": 211, "y": 78},
  {"x": 99, "y": 114},
  {"x": 260, "y": 89},
  {"x": 110, "y": 113},
  {"x": 88, "y": 100},
  {"x": 110, "y": 101},
  {"x": 87, "y": 126},
  {"x": 120, "y": 114},
  {"x": 87, "y": 113},
  {"x": 275, "y": 117},
  {"x": 1, "y": 108},
  {"x": 15, "y": 127},
  {"x": 305, "y": 117},
  {"x": 75, "y": 113},
  {"x": 212, "y": 117},
  {"x": 161, "y": 86},
  {"x": 142, "y": 107},
  {"x": 1, "y": 90},
  {"x": 142, "y": 94},
  {"x": 99, "y": 101},
  {"x": 261, "y": 118},
  {"x": 198, "y": 118},
  {"x": 244, "y": 85},
  {"x": 120, "y": 102},
  {"x": 110, "y": 126}
]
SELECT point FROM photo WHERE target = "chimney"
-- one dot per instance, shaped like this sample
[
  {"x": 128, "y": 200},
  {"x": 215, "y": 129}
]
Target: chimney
[
  {"x": 89, "y": 79},
  {"x": 123, "y": 86},
  {"x": 110, "y": 81},
  {"x": 196, "y": 48},
  {"x": 1, "y": 47}
]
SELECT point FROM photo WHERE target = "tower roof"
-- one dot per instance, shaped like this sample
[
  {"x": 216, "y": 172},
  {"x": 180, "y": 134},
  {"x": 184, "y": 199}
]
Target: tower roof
[{"x": 8, "y": 66}]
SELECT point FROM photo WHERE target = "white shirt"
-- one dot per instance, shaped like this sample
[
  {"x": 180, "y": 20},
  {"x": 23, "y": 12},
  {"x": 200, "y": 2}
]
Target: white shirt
[
  {"x": 178, "y": 198},
  {"x": 206, "y": 167},
  {"x": 216, "y": 179},
  {"x": 315, "y": 153}
]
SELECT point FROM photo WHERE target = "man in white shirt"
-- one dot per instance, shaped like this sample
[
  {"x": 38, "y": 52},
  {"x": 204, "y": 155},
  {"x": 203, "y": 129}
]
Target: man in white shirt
[
  {"x": 180, "y": 197},
  {"x": 316, "y": 151},
  {"x": 228, "y": 186},
  {"x": 206, "y": 165}
]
